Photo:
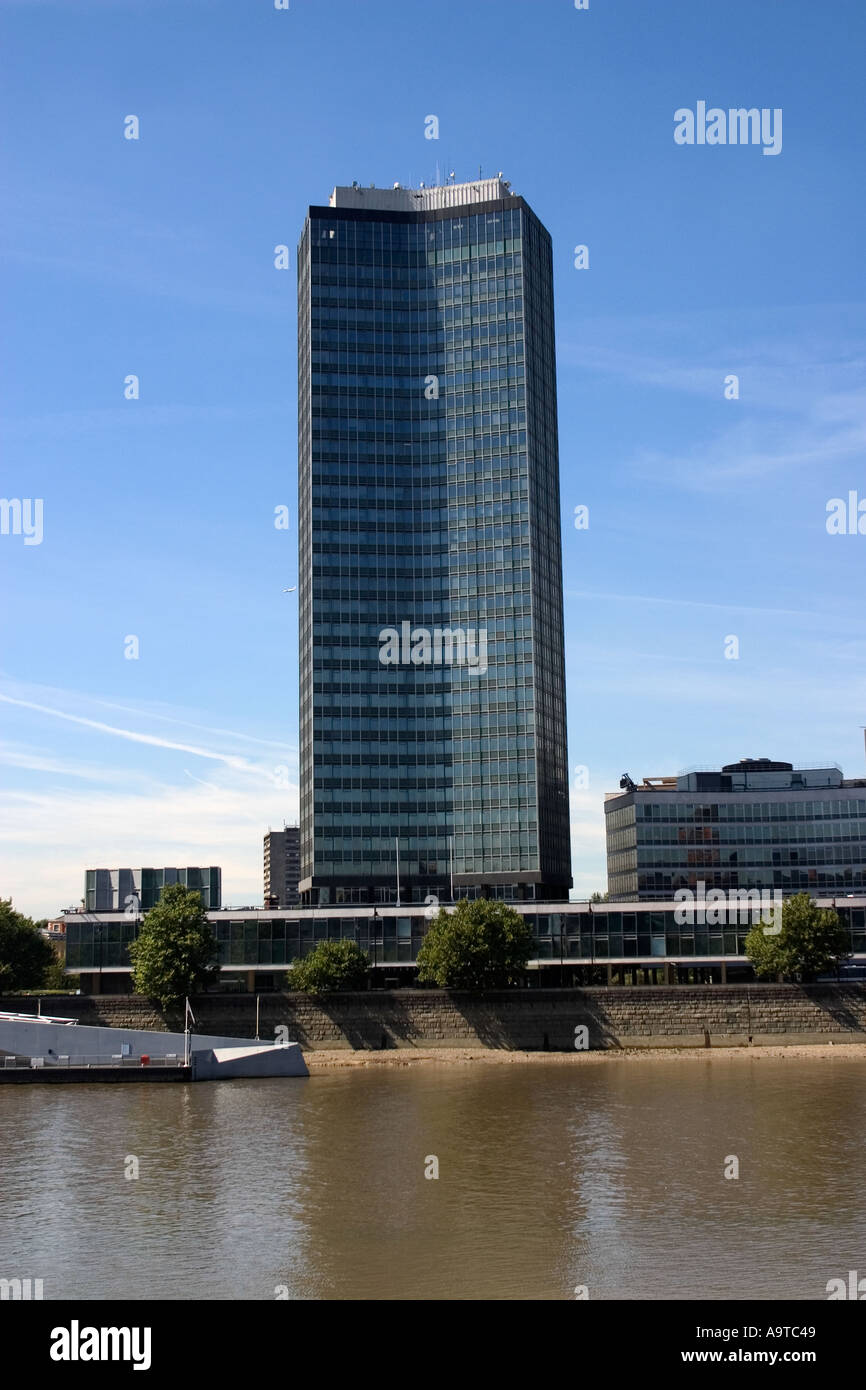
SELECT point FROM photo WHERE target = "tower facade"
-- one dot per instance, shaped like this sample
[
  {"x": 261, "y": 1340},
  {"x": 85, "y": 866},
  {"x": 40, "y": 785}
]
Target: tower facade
[{"x": 432, "y": 705}]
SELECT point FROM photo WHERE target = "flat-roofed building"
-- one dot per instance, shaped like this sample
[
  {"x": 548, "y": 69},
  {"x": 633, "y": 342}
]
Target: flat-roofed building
[
  {"x": 574, "y": 943},
  {"x": 138, "y": 890},
  {"x": 754, "y": 824},
  {"x": 432, "y": 672},
  {"x": 282, "y": 862}
]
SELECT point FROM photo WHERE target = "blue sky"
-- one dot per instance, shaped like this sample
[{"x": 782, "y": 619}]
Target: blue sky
[{"x": 156, "y": 257}]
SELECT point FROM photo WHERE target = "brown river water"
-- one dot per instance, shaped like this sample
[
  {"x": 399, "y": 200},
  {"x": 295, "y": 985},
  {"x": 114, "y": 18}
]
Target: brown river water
[{"x": 550, "y": 1177}]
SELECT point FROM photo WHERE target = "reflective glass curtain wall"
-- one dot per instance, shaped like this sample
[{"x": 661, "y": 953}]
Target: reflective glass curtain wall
[{"x": 429, "y": 496}]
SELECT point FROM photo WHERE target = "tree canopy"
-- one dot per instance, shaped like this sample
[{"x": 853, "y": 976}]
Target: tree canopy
[
  {"x": 483, "y": 944},
  {"x": 25, "y": 956},
  {"x": 330, "y": 967},
  {"x": 175, "y": 952},
  {"x": 811, "y": 942}
]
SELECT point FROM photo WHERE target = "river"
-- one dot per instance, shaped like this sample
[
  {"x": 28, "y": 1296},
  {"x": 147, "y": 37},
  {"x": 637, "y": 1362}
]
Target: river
[{"x": 552, "y": 1178}]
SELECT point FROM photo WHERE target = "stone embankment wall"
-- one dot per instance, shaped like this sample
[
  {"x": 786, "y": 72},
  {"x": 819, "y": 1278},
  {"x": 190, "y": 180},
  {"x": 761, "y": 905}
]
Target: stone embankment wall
[{"x": 535, "y": 1020}]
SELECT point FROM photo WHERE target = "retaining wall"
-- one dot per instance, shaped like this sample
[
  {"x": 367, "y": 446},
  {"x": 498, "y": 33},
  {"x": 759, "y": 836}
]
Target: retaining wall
[{"x": 534, "y": 1019}]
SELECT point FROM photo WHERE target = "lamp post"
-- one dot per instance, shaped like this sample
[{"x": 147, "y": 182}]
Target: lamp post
[
  {"x": 375, "y": 925},
  {"x": 135, "y": 938},
  {"x": 358, "y": 944},
  {"x": 451, "y": 865}
]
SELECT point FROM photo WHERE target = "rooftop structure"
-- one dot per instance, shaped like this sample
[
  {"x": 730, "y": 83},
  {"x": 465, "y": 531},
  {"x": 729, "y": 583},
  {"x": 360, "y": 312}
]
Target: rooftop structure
[{"x": 434, "y": 199}]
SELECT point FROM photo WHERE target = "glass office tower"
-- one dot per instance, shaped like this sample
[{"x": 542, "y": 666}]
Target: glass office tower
[{"x": 433, "y": 747}]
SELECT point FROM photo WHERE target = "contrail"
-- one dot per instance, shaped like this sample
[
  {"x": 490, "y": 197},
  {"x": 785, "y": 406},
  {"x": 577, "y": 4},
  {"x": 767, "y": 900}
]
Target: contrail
[
  {"x": 200, "y": 780},
  {"x": 190, "y": 724},
  {"x": 240, "y": 764}
]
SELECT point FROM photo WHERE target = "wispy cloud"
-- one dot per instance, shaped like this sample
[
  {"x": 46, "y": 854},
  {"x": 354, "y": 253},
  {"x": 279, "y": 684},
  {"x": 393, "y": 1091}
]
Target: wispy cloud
[
  {"x": 177, "y": 718},
  {"x": 152, "y": 740},
  {"x": 801, "y": 407},
  {"x": 588, "y": 844},
  {"x": 655, "y": 599},
  {"x": 221, "y": 821},
  {"x": 158, "y": 283},
  {"x": 30, "y": 760},
  {"x": 769, "y": 691},
  {"x": 67, "y": 424},
  {"x": 751, "y": 450},
  {"x": 129, "y": 813}
]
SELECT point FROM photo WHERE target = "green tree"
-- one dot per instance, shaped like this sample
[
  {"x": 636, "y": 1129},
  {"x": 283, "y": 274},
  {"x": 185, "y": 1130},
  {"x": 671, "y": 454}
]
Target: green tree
[
  {"x": 175, "y": 952},
  {"x": 332, "y": 966},
  {"x": 599, "y": 897},
  {"x": 811, "y": 942},
  {"x": 57, "y": 979},
  {"x": 25, "y": 956},
  {"x": 483, "y": 944}
]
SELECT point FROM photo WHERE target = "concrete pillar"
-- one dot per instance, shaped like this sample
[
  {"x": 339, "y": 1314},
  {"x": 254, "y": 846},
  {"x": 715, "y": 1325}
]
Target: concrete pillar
[
  {"x": 724, "y": 973},
  {"x": 251, "y": 982},
  {"x": 610, "y": 974}
]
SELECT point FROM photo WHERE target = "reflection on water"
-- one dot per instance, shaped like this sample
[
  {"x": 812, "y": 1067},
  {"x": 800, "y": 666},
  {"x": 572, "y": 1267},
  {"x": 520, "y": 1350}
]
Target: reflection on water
[{"x": 550, "y": 1177}]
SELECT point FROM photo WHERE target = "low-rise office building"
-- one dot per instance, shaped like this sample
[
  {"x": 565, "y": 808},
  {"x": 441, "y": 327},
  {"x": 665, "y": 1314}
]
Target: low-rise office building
[
  {"x": 575, "y": 943},
  {"x": 755, "y": 824}
]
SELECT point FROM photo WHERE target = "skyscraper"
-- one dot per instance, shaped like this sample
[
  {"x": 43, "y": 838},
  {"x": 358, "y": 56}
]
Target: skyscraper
[{"x": 432, "y": 711}]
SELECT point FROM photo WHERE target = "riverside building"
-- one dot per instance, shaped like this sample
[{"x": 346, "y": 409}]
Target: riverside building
[
  {"x": 432, "y": 681},
  {"x": 574, "y": 943},
  {"x": 755, "y": 824}
]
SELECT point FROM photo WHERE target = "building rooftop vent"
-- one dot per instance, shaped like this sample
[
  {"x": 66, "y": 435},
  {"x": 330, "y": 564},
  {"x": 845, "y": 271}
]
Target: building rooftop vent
[{"x": 758, "y": 765}]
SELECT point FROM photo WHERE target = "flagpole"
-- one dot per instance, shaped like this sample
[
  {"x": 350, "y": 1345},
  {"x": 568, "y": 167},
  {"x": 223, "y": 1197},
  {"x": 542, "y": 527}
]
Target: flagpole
[{"x": 187, "y": 1015}]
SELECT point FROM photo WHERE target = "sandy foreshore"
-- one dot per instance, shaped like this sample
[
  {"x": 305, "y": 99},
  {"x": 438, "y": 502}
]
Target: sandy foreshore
[{"x": 337, "y": 1059}]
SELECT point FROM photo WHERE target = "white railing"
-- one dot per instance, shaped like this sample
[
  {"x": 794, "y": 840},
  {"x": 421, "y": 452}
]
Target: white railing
[{"x": 36, "y": 1018}]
